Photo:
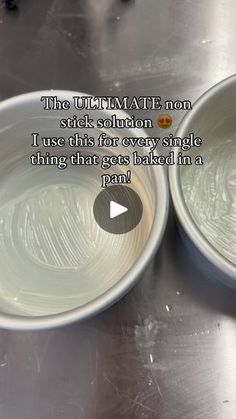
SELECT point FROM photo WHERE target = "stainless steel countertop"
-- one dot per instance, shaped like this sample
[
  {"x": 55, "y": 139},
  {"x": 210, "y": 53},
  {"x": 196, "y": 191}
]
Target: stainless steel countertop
[{"x": 168, "y": 349}]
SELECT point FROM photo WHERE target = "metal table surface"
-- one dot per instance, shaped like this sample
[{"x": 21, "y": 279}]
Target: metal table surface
[{"x": 168, "y": 349}]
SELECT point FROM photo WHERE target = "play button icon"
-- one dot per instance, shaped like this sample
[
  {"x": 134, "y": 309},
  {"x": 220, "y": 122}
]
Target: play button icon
[{"x": 118, "y": 209}]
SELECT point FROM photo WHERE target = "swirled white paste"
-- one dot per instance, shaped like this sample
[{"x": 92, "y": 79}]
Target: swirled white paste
[{"x": 210, "y": 194}]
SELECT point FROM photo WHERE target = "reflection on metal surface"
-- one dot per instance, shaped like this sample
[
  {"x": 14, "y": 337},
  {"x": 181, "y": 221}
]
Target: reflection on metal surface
[
  {"x": 225, "y": 358},
  {"x": 96, "y": 369}
]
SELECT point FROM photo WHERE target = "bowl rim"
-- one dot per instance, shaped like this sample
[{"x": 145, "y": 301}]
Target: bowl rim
[
  {"x": 186, "y": 220},
  {"x": 117, "y": 291}
]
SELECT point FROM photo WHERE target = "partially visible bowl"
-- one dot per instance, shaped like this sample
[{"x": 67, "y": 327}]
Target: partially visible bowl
[{"x": 205, "y": 196}]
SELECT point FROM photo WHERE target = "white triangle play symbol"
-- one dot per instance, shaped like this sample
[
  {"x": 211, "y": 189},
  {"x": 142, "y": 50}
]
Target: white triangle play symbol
[{"x": 116, "y": 209}]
